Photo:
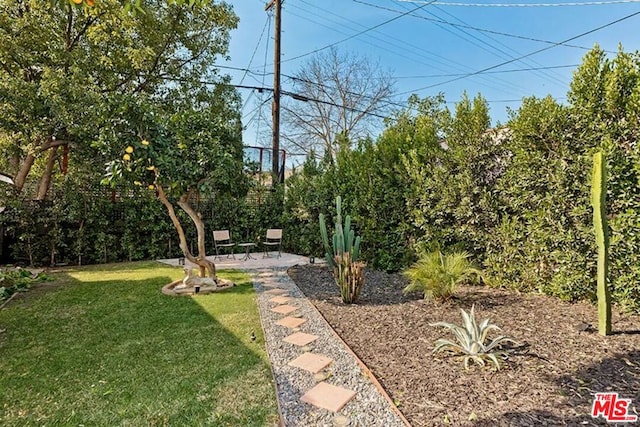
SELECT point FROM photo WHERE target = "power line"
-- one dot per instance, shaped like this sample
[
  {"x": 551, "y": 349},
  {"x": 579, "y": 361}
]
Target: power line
[
  {"x": 293, "y": 95},
  {"x": 483, "y": 30},
  {"x": 255, "y": 49},
  {"x": 247, "y": 70},
  {"x": 491, "y": 47},
  {"x": 580, "y": 3},
  {"x": 531, "y": 62},
  {"x": 524, "y": 56},
  {"x": 402, "y": 48},
  {"x": 514, "y": 70},
  {"x": 254, "y": 114},
  {"x": 264, "y": 73},
  {"x": 360, "y": 33}
]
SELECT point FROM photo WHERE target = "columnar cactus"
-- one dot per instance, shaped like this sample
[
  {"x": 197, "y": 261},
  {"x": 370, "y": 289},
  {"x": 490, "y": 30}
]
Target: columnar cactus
[
  {"x": 344, "y": 239},
  {"x": 599, "y": 202},
  {"x": 349, "y": 277}
]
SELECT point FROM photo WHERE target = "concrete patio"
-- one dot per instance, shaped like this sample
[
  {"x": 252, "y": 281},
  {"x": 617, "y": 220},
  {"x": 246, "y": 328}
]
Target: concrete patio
[{"x": 256, "y": 262}]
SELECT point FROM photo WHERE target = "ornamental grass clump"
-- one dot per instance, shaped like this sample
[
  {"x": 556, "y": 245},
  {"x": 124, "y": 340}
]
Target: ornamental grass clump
[
  {"x": 437, "y": 275},
  {"x": 470, "y": 341}
]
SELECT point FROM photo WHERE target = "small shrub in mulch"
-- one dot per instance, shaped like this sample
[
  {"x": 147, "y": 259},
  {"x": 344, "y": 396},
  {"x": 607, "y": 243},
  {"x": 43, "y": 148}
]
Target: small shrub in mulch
[{"x": 549, "y": 380}]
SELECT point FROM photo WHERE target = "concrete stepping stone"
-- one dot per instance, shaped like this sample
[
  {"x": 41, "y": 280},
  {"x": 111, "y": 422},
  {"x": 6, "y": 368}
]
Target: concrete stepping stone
[
  {"x": 284, "y": 309},
  {"x": 311, "y": 362},
  {"x": 291, "y": 322},
  {"x": 270, "y": 285},
  {"x": 300, "y": 339},
  {"x": 280, "y": 299},
  {"x": 276, "y": 291},
  {"x": 327, "y": 396}
]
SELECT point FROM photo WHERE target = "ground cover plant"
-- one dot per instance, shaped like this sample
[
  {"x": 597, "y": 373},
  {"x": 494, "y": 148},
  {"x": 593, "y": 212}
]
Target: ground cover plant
[
  {"x": 18, "y": 280},
  {"x": 550, "y": 378},
  {"x": 102, "y": 345}
]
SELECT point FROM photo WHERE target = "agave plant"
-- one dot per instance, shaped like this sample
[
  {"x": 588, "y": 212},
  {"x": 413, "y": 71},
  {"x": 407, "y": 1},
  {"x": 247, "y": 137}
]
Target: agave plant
[
  {"x": 471, "y": 339},
  {"x": 438, "y": 275}
]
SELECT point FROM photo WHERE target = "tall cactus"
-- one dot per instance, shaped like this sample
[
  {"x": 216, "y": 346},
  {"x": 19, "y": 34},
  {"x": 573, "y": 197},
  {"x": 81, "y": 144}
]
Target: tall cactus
[
  {"x": 344, "y": 238},
  {"x": 599, "y": 202}
]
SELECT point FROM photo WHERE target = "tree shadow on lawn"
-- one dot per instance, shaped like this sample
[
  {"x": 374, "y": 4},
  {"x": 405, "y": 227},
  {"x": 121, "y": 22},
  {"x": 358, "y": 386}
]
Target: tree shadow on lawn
[
  {"x": 619, "y": 373},
  {"x": 105, "y": 352}
]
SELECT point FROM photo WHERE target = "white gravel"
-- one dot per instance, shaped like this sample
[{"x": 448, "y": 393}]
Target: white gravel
[{"x": 367, "y": 408}]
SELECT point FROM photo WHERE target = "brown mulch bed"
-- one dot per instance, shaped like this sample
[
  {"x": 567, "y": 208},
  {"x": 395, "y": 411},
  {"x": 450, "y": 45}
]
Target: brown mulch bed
[{"x": 549, "y": 381}]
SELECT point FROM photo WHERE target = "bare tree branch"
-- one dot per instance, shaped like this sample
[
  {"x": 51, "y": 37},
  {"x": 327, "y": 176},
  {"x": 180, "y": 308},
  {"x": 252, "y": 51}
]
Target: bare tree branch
[{"x": 346, "y": 95}]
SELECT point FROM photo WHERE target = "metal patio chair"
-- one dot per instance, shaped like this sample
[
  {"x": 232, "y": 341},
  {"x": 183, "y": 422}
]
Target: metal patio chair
[
  {"x": 222, "y": 240},
  {"x": 273, "y": 241}
]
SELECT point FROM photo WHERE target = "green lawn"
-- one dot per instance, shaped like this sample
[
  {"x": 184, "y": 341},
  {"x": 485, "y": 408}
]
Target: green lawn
[{"x": 105, "y": 347}]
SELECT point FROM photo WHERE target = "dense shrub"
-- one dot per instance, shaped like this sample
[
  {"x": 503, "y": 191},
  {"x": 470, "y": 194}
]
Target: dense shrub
[
  {"x": 306, "y": 197},
  {"x": 516, "y": 197},
  {"x": 545, "y": 241},
  {"x": 453, "y": 181},
  {"x": 370, "y": 179}
]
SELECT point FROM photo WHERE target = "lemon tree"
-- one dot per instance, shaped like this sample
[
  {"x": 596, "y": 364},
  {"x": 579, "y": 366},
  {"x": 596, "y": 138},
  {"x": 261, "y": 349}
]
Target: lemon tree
[
  {"x": 67, "y": 67},
  {"x": 182, "y": 151}
]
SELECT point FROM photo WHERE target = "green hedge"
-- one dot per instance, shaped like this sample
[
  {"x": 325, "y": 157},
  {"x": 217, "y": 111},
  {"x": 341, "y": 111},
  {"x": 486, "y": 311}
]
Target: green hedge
[
  {"x": 516, "y": 197},
  {"x": 84, "y": 224}
]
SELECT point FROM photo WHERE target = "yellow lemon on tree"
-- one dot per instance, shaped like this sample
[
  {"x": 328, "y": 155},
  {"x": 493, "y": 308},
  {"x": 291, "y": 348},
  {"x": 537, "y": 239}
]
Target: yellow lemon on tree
[
  {"x": 151, "y": 187},
  {"x": 129, "y": 149},
  {"x": 126, "y": 157},
  {"x": 137, "y": 182},
  {"x": 145, "y": 142},
  {"x": 151, "y": 168}
]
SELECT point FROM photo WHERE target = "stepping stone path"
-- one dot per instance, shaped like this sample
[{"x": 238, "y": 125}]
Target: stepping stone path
[{"x": 318, "y": 380}]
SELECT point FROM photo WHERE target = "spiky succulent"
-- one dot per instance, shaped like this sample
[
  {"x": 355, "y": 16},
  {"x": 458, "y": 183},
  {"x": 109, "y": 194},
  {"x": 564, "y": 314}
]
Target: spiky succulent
[{"x": 471, "y": 337}]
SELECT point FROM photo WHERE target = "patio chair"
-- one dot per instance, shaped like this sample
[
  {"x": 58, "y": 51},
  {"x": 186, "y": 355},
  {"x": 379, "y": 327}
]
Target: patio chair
[
  {"x": 221, "y": 240},
  {"x": 273, "y": 240}
]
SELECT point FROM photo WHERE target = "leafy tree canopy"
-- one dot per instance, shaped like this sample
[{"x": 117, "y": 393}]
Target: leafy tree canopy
[{"x": 66, "y": 72}]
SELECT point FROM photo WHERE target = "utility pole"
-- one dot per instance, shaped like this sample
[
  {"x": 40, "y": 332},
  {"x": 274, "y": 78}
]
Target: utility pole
[{"x": 275, "y": 108}]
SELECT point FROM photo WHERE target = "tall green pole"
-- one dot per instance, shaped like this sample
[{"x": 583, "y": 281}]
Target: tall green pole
[{"x": 599, "y": 202}]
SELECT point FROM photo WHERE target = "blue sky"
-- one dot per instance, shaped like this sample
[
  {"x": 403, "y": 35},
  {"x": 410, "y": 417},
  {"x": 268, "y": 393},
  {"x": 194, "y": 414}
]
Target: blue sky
[{"x": 420, "y": 52}]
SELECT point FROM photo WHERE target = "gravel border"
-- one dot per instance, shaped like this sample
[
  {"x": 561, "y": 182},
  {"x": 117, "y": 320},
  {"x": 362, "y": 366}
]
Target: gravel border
[{"x": 368, "y": 408}]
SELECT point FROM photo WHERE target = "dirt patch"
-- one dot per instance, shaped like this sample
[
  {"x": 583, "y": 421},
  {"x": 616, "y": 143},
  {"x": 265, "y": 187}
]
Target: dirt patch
[{"x": 549, "y": 381}]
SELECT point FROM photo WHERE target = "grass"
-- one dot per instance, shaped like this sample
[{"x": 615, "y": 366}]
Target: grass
[{"x": 106, "y": 347}]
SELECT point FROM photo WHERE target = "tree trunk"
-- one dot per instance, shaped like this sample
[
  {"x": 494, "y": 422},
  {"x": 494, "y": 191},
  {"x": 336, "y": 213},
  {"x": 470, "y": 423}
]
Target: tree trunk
[
  {"x": 202, "y": 252},
  {"x": 25, "y": 168},
  {"x": 45, "y": 182},
  {"x": 201, "y": 261}
]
